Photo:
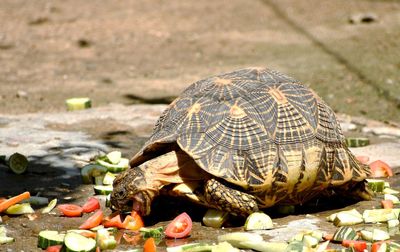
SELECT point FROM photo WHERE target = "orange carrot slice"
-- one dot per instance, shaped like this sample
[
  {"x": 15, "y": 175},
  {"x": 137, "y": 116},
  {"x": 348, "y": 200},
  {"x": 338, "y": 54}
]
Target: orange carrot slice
[{"x": 14, "y": 200}]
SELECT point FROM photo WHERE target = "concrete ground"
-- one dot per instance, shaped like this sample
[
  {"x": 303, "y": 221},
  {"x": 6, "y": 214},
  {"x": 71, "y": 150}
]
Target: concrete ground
[{"x": 130, "y": 57}]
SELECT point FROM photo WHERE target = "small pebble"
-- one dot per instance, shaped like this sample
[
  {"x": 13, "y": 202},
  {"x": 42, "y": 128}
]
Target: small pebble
[
  {"x": 363, "y": 18},
  {"x": 22, "y": 94},
  {"x": 68, "y": 198}
]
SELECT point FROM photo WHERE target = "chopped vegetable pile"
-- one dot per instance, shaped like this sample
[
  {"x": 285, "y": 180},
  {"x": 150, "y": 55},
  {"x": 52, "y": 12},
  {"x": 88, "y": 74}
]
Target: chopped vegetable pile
[{"x": 367, "y": 230}]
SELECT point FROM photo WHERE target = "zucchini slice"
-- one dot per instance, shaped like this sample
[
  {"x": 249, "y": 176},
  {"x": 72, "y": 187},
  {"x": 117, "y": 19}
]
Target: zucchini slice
[
  {"x": 103, "y": 189},
  {"x": 109, "y": 178},
  {"x": 236, "y": 239},
  {"x": 49, "y": 238},
  {"x": 18, "y": 209},
  {"x": 75, "y": 242},
  {"x": 115, "y": 168},
  {"x": 258, "y": 221},
  {"x": 344, "y": 233},
  {"x": 357, "y": 141},
  {"x": 90, "y": 171},
  {"x": 78, "y": 103},
  {"x": 18, "y": 163},
  {"x": 215, "y": 218},
  {"x": 50, "y": 206},
  {"x": 114, "y": 157}
]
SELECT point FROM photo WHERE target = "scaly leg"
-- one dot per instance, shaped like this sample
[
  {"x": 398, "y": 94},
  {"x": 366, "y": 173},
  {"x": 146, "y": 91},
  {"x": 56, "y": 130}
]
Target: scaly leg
[{"x": 228, "y": 199}]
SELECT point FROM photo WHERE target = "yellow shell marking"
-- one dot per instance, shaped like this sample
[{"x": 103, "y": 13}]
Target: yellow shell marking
[
  {"x": 223, "y": 82},
  {"x": 194, "y": 109},
  {"x": 237, "y": 112},
  {"x": 278, "y": 96}
]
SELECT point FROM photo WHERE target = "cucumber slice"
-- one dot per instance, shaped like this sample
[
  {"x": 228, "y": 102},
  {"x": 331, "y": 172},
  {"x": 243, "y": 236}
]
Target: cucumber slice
[
  {"x": 98, "y": 180},
  {"x": 181, "y": 247},
  {"x": 393, "y": 223},
  {"x": 344, "y": 233},
  {"x": 50, "y": 206},
  {"x": 49, "y": 238},
  {"x": 258, "y": 221},
  {"x": 379, "y": 215},
  {"x": 18, "y": 163},
  {"x": 36, "y": 200},
  {"x": 391, "y": 197},
  {"x": 310, "y": 241},
  {"x": 296, "y": 246},
  {"x": 236, "y": 238},
  {"x": 6, "y": 239},
  {"x": 380, "y": 235},
  {"x": 215, "y": 218},
  {"x": 151, "y": 232},
  {"x": 105, "y": 240},
  {"x": 103, "y": 189},
  {"x": 264, "y": 246},
  {"x": 78, "y": 103},
  {"x": 347, "y": 219},
  {"x": 202, "y": 247},
  {"x": 90, "y": 171},
  {"x": 390, "y": 191},
  {"x": 376, "y": 185},
  {"x": 357, "y": 141},
  {"x": 75, "y": 242},
  {"x": 109, "y": 178},
  {"x": 366, "y": 235},
  {"x": 17, "y": 209},
  {"x": 114, "y": 157},
  {"x": 115, "y": 168}
]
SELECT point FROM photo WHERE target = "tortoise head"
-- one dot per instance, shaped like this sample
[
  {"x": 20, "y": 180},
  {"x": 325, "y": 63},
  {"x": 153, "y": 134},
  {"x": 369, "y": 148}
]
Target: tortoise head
[{"x": 132, "y": 192}]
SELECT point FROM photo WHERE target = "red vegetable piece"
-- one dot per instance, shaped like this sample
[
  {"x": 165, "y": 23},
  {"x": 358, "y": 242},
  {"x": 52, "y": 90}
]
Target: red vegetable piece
[
  {"x": 388, "y": 204},
  {"x": 359, "y": 246},
  {"x": 376, "y": 245},
  {"x": 113, "y": 220},
  {"x": 91, "y": 205},
  {"x": 93, "y": 221},
  {"x": 70, "y": 210},
  {"x": 133, "y": 222},
  {"x": 180, "y": 227},
  {"x": 380, "y": 169},
  {"x": 54, "y": 248},
  {"x": 363, "y": 159},
  {"x": 150, "y": 245}
]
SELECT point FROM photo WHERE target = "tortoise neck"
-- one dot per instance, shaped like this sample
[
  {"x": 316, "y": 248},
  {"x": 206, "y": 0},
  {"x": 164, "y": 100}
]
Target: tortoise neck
[{"x": 162, "y": 170}]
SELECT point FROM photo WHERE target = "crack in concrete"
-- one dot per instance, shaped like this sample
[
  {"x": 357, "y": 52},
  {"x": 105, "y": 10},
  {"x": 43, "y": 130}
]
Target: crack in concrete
[{"x": 337, "y": 56}]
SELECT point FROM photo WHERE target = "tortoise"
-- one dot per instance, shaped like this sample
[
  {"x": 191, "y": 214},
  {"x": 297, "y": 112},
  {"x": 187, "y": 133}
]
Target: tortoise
[{"x": 241, "y": 142}]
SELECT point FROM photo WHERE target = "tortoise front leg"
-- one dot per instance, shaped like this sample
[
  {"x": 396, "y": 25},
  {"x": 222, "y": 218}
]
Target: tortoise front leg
[{"x": 228, "y": 199}]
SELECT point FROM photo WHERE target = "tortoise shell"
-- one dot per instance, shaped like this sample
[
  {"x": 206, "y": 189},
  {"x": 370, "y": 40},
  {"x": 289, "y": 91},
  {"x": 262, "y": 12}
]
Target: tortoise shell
[{"x": 258, "y": 129}]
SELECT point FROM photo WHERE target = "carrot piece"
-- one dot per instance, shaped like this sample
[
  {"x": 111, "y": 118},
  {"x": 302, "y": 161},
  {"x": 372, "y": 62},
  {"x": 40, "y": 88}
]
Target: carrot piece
[
  {"x": 149, "y": 245},
  {"x": 14, "y": 200}
]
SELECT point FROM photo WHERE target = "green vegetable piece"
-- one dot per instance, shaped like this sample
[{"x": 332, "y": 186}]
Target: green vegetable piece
[
  {"x": 36, "y": 200},
  {"x": 90, "y": 171},
  {"x": 105, "y": 240},
  {"x": 78, "y": 103},
  {"x": 295, "y": 246},
  {"x": 347, "y": 219},
  {"x": 109, "y": 178},
  {"x": 366, "y": 235},
  {"x": 152, "y": 232},
  {"x": 393, "y": 223},
  {"x": 310, "y": 241},
  {"x": 264, "y": 246},
  {"x": 357, "y": 141},
  {"x": 115, "y": 168},
  {"x": 215, "y": 218},
  {"x": 258, "y": 221},
  {"x": 102, "y": 189},
  {"x": 380, "y": 235},
  {"x": 18, "y": 163},
  {"x": 114, "y": 157},
  {"x": 50, "y": 206},
  {"x": 391, "y": 197},
  {"x": 390, "y": 191},
  {"x": 18, "y": 209},
  {"x": 394, "y": 246},
  {"x": 75, "y": 242},
  {"x": 181, "y": 247},
  {"x": 236, "y": 238},
  {"x": 6, "y": 239},
  {"x": 48, "y": 238},
  {"x": 344, "y": 233},
  {"x": 379, "y": 215},
  {"x": 376, "y": 185}
]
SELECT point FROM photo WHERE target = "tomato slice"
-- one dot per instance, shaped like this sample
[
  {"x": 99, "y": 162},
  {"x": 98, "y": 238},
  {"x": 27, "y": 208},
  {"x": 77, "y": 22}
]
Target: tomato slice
[
  {"x": 113, "y": 220},
  {"x": 376, "y": 245},
  {"x": 150, "y": 245},
  {"x": 54, "y": 248},
  {"x": 70, "y": 210},
  {"x": 387, "y": 204},
  {"x": 93, "y": 221},
  {"x": 363, "y": 159},
  {"x": 180, "y": 227},
  {"x": 91, "y": 205},
  {"x": 380, "y": 169},
  {"x": 133, "y": 222},
  {"x": 359, "y": 246}
]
